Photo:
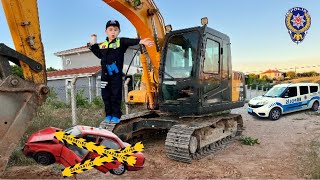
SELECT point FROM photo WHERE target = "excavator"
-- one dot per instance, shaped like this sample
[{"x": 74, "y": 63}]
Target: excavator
[{"x": 187, "y": 75}]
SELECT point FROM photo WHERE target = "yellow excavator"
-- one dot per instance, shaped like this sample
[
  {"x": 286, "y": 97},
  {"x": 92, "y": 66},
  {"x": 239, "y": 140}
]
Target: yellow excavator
[{"x": 187, "y": 75}]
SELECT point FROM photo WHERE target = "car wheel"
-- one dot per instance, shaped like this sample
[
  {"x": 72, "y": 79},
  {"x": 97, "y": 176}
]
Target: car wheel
[
  {"x": 120, "y": 170},
  {"x": 315, "y": 106},
  {"x": 44, "y": 158},
  {"x": 275, "y": 114}
]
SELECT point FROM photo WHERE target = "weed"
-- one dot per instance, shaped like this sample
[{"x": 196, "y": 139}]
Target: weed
[
  {"x": 97, "y": 102},
  {"x": 247, "y": 140}
]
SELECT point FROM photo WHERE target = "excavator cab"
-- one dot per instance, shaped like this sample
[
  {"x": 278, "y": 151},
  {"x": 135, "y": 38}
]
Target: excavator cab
[{"x": 196, "y": 74}]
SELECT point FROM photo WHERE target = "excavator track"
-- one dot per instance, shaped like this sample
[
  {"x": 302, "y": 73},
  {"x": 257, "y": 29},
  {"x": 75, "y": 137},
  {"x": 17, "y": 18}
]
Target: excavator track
[
  {"x": 190, "y": 138},
  {"x": 107, "y": 125},
  {"x": 178, "y": 139}
]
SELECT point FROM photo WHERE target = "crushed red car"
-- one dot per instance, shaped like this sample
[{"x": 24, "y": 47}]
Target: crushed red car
[{"x": 46, "y": 150}]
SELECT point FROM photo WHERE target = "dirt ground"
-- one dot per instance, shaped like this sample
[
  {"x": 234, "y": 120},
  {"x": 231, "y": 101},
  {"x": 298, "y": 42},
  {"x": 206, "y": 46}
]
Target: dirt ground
[{"x": 277, "y": 156}]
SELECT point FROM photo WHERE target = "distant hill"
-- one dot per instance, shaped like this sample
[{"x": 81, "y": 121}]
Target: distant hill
[{"x": 305, "y": 79}]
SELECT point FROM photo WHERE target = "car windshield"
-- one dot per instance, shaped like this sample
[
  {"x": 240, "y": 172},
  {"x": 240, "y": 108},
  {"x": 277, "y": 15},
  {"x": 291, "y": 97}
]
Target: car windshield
[{"x": 275, "y": 92}]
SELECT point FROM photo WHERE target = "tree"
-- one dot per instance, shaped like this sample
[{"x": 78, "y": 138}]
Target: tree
[
  {"x": 16, "y": 70},
  {"x": 251, "y": 78},
  {"x": 49, "y": 69},
  {"x": 313, "y": 73},
  {"x": 291, "y": 74}
]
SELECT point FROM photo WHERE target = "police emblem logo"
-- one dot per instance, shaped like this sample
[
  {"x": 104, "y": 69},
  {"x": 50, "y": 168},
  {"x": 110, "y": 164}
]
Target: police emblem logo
[{"x": 298, "y": 22}]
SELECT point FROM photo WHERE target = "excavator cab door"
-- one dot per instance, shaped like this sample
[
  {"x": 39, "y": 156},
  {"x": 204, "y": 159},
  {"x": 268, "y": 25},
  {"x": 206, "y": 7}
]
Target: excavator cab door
[{"x": 210, "y": 69}]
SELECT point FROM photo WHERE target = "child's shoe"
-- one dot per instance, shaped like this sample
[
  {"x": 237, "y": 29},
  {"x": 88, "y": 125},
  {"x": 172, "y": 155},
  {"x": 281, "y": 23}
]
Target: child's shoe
[
  {"x": 108, "y": 118},
  {"x": 115, "y": 120}
]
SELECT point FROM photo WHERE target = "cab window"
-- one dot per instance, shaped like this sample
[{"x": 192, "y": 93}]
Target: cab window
[
  {"x": 313, "y": 89},
  {"x": 304, "y": 90},
  {"x": 212, "y": 57},
  {"x": 291, "y": 92}
]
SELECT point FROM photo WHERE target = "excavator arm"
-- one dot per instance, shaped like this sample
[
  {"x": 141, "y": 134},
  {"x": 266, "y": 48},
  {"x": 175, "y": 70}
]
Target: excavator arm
[
  {"x": 23, "y": 21},
  {"x": 20, "y": 98}
]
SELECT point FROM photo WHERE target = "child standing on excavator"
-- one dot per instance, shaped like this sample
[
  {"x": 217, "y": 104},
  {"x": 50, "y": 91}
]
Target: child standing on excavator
[{"x": 111, "y": 52}]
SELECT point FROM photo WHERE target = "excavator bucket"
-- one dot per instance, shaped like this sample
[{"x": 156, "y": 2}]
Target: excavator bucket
[{"x": 19, "y": 100}]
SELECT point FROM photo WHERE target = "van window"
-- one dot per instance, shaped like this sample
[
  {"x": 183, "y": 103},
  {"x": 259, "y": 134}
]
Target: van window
[
  {"x": 313, "y": 89},
  {"x": 291, "y": 92},
  {"x": 304, "y": 90}
]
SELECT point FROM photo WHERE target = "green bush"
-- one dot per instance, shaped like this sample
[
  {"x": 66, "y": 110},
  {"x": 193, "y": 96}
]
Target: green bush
[
  {"x": 81, "y": 100},
  {"x": 53, "y": 101},
  {"x": 248, "y": 141},
  {"x": 253, "y": 86},
  {"x": 97, "y": 102},
  {"x": 259, "y": 87}
]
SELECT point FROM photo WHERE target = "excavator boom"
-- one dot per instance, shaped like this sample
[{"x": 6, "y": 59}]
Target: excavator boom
[{"x": 20, "y": 98}]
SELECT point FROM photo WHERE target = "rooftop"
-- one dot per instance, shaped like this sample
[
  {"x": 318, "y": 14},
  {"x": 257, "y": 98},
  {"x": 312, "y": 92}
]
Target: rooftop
[
  {"x": 271, "y": 71},
  {"x": 76, "y": 71}
]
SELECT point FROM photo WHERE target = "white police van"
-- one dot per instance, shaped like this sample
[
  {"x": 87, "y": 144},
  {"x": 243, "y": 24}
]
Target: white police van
[{"x": 286, "y": 98}]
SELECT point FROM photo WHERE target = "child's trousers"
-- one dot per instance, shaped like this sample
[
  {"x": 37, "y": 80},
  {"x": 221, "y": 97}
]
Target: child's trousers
[{"x": 111, "y": 91}]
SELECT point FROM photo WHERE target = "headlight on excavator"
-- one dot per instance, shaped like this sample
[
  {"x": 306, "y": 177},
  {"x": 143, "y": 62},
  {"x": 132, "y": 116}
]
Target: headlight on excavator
[
  {"x": 168, "y": 28},
  {"x": 204, "y": 21}
]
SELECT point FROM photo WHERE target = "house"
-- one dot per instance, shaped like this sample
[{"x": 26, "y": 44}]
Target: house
[
  {"x": 82, "y": 57},
  {"x": 272, "y": 74},
  {"x": 83, "y": 64},
  {"x": 87, "y": 80}
]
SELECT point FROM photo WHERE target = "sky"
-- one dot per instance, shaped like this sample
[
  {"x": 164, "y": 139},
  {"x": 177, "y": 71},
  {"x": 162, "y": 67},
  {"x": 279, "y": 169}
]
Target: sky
[{"x": 259, "y": 37}]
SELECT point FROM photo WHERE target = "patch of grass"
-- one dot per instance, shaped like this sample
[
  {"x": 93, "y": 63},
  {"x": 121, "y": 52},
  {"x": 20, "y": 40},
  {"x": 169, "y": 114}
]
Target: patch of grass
[
  {"x": 81, "y": 100},
  {"x": 17, "y": 158},
  {"x": 247, "y": 140},
  {"x": 97, "y": 102},
  {"x": 55, "y": 113},
  {"x": 48, "y": 116}
]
